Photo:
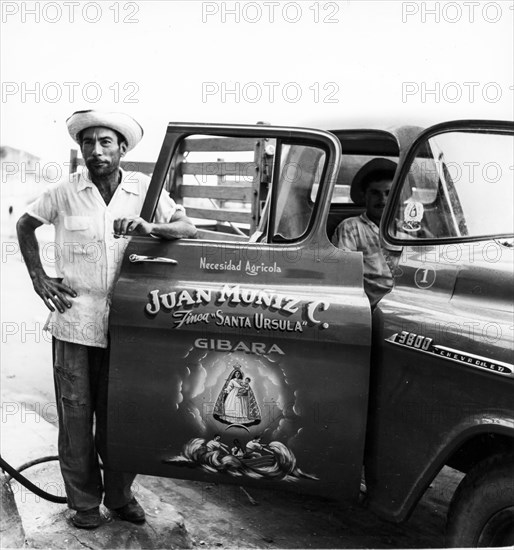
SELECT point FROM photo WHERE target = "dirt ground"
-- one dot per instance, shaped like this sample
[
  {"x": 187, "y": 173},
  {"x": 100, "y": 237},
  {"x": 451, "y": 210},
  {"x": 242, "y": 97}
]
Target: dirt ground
[
  {"x": 215, "y": 516},
  {"x": 224, "y": 516}
]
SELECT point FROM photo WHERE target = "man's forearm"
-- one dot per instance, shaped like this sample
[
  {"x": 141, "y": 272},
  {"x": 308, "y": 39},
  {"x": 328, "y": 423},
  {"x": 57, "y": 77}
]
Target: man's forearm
[
  {"x": 29, "y": 248},
  {"x": 174, "y": 230}
]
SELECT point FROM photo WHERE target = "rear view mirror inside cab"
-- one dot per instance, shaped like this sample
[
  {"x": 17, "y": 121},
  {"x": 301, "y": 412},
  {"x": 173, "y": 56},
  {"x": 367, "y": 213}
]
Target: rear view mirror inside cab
[
  {"x": 253, "y": 189},
  {"x": 458, "y": 186}
]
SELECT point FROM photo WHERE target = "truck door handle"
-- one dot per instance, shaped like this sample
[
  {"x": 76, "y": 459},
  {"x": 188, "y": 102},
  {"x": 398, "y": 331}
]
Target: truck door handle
[{"x": 136, "y": 259}]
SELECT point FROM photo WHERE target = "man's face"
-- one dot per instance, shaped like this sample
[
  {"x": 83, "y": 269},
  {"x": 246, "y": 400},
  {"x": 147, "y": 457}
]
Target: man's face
[
  {"x": 376, "y": 198},
  {"x": 101, "y": 150}
]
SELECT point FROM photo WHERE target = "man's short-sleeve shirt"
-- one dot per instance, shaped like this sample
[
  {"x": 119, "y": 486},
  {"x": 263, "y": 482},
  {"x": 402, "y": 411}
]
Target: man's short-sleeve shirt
[
  {"x": 88, "y": 256},
  {"x": 360, "y": 234}
]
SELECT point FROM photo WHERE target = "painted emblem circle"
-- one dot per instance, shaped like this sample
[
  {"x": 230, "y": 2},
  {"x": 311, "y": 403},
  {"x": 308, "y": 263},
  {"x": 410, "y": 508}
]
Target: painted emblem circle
[{"x": 425, "y": 277}]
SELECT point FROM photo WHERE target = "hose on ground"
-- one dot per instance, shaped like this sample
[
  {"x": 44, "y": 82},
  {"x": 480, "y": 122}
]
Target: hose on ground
[{"x": 15, "y": 474}]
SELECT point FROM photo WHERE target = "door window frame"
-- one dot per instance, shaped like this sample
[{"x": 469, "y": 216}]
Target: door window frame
[{"x": 320, "y": 139}]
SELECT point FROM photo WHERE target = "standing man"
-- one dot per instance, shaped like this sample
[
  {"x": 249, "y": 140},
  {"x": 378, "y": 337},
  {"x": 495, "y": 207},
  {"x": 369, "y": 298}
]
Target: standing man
[
  {"x": 90, "y": 211},
  {"x": 370, "y": 188}
]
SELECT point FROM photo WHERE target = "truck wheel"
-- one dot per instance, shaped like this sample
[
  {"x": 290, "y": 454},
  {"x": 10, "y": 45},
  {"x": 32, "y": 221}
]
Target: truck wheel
[{"x": 481, "y": 512}]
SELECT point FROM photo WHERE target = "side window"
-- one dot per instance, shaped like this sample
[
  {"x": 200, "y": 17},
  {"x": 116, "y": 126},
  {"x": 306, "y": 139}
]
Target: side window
[
  {"x": 459, "y": 185},
  {"x": 247, "y": 189}
]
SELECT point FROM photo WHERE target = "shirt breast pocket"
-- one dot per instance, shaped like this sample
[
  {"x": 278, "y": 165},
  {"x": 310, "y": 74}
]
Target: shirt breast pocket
[
  {"x": 77, "y": 223},
  {"x": 78, "y": 231}
]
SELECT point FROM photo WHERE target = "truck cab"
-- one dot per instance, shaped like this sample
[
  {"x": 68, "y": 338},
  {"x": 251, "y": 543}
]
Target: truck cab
[{"x": 251, "y": 355}]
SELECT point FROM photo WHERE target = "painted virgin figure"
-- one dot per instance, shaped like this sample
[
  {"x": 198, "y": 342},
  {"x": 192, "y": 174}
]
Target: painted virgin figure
[{"x": 236, "y": 403}]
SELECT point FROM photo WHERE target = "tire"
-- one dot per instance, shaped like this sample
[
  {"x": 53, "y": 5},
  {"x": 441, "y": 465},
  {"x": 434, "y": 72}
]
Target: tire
[{"x": 481, "y": 512}]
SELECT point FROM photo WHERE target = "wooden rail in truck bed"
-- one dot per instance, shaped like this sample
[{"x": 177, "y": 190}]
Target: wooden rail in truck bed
[{"x": 222, "y": 182}]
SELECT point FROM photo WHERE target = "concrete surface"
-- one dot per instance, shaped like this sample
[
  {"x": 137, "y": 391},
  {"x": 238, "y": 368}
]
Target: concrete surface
[
  {"x": 26, "y": 436},
  {"x": 12, "y": 534}
]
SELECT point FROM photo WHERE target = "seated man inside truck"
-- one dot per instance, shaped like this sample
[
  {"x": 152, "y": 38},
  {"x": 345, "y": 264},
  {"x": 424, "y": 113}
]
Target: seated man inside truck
[{"x": 370, "y": 188}]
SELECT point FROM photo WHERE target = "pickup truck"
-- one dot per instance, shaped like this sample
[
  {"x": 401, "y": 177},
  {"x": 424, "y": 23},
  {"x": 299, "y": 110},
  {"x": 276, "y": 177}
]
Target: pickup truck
[{"x": 256, "y": 359}]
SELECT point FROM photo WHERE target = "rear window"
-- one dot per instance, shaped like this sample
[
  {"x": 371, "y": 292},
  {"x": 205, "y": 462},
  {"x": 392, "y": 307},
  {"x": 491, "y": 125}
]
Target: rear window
[{"x": 350, "y": 165}]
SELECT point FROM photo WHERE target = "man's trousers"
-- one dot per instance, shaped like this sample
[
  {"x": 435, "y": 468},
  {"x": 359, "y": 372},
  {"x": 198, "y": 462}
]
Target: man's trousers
[{"x": 81, "y": 377}]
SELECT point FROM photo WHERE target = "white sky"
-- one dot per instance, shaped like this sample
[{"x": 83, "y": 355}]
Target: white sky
[{"x": 165, "y": 58}]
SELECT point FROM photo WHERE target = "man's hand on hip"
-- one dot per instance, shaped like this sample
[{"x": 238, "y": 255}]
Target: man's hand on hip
[{"x": 53, "y": 292}]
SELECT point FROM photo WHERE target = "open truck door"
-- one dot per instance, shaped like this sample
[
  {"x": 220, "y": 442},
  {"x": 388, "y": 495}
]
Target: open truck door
[{"x": 245, "y": 360}]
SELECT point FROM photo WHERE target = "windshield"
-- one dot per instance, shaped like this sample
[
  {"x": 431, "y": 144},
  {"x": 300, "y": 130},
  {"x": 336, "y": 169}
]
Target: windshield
[{"x": 460, "y": 184}]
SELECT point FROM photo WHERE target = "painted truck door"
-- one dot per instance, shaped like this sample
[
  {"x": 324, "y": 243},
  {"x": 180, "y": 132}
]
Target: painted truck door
[
  {"x": 442, "y": 362},
  {"x": 239, "y": 361}
]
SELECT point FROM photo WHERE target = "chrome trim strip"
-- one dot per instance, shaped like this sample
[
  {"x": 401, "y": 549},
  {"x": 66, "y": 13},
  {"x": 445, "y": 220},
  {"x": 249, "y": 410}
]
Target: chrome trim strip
[{"x": 463, "y": 358}]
